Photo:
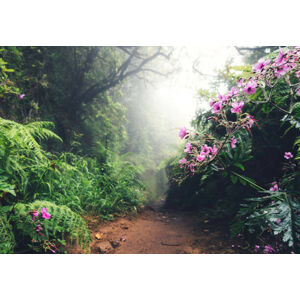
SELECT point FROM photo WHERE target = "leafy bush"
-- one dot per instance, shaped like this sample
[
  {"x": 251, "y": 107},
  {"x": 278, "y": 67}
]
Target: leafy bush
[
  {"x": 22, "y": 160},
  {"x": 63, "y": 222},
  {"x": 83, "y": 184},
  {"x": 276, "y": 211},
  {"x": 67, "y": 183},
  {"x": 226, "y": 142}
]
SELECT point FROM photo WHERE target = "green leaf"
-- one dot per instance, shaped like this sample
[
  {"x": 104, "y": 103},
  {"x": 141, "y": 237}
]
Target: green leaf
[
  {"x": 239, "y": 165},
  {"x": 233, "y": 179}
]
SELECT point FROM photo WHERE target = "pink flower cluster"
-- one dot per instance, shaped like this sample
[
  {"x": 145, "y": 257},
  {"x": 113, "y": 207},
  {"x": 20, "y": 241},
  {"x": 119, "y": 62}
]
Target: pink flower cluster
[
  {"x": 207, "y": 152},
  {"x": 197, "y": 154},
  {"x": 188, "y": 147},
  {"x": 45, "y": 215},
  {"x": 266, "y": 73},
  {"x": 34, "y": 214},
  {"x": 237, "y": 107},
  {"x": 285, "y": 62}
]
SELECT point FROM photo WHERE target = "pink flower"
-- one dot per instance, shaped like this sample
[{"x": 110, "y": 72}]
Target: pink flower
[
  {"x": 34, "y": 214},
  {"x": 200, "y": 157},
  {"x": 237, "y": 107},
  {"x": 280, "y": 57},
  {"x": 191, "y": 166},
  {"x": 233, "y": 142},
  {"x": 250, "y": 87},
  {"x": 212, "y": 102},
  {"x": 222, "y": 98},
  {"x": 298, "y": 74},
  {"x": 38, "y": 228},
  {"x": 233, "y": 92},
  {"x": 45, "y": 215},
  {"x": 182, "y": 132},
  {"x": 259, "y": 66},
  {"x": 269, "y": 249},
  {"x": 251, "y": 121},
  {"x": 213, "y": 150},
  {"x": 278, "y": 221},
  {"x": 44, "y": 209},
  {"x": 281, "y": 70},
  {"x": 205, "y": 150},
  {"x": 183, "y": 161},
  {"x": 216, "y": 108},
  {"x": 298, "y": 92},
  {"x": 240, "y": 82},
  {"x": 22, "y": 96},
  {"x": 288, "y": 155},
  {"x": 188, "y": 147},
  {"x": 274, "y": 188}
]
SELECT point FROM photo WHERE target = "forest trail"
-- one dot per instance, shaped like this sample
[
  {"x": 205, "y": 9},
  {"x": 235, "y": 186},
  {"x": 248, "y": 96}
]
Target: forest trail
[{"x": 158, "y": 231}]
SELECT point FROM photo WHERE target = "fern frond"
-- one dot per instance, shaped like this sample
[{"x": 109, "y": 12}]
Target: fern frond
[
  {"x": 7, "y": 239},
  {"x": 63, "y": 221},
  {"x": 42, "y": 130}
]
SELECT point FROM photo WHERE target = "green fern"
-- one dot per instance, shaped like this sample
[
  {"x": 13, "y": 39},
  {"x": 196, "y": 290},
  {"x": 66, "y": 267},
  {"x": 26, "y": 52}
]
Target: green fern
[
  {"x": 15, "y": 136},
  {"x": 7, "y": 239},
  {"x": 276, "y": 210},
  {"x": 63, "y": 222},
  {"x": 22, "y": 160}
]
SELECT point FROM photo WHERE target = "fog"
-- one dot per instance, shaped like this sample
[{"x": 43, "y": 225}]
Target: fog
[
  {"x": 174, "y": 99},
  {"x": 158, "y": 106}
]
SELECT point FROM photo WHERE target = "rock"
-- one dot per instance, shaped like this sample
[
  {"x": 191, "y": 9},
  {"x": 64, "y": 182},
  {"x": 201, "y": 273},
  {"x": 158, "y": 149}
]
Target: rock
[
  {"x": 103, "y": 247},
  {"x": 123, "y": 239},
  {"x": 124, "y": 227},
  {"x": 115, "y": 243}
]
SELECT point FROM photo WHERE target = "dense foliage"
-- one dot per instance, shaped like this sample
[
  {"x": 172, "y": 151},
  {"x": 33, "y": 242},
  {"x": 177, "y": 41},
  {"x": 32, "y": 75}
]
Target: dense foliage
[
  {"x": 50, "y": 180},
  {"x": 247, "y": 148}
]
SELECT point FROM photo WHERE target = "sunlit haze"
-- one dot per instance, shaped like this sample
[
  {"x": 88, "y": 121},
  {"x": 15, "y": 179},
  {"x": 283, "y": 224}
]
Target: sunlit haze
[{"x": 175, "y": 98}]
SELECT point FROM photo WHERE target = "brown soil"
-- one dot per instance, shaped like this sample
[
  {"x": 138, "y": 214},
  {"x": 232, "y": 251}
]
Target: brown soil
[{"x": 156, "y": 231}]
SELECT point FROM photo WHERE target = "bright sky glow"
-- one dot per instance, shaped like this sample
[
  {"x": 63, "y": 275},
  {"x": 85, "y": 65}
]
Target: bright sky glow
[{"x": 176, "y": 97}]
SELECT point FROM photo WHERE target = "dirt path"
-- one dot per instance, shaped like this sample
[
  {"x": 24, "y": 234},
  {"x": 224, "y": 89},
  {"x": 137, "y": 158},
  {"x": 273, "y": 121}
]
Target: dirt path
[{"x": 158, "y": 231}]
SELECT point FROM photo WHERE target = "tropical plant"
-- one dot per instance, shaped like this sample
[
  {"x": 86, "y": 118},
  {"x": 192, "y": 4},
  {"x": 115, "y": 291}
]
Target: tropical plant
[
  {"x": 62, "y": 223},
  {"x": 228, "y": 144}
]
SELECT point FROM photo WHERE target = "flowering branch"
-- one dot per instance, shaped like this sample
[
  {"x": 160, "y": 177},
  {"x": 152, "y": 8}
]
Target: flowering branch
[{"x": 201, "y": 151}]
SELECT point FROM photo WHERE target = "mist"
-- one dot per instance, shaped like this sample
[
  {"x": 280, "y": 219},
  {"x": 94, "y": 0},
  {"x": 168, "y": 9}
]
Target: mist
[
  {"x": 173, "y": 99},
  {"x": 159, "y": 104}
]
